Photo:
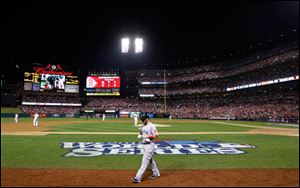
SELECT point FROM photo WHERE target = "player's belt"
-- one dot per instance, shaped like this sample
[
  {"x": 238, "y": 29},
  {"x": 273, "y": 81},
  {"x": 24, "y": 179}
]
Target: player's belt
[{"x": 147, "y": 142}]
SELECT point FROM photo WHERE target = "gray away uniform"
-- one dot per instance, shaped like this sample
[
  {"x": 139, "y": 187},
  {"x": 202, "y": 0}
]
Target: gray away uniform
[{"x": 149, "y": 148}]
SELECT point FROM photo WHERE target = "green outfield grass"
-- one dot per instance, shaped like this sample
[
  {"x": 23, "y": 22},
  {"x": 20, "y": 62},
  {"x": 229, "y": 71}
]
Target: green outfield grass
[
  {"x": 126, "y": 124},
  {"x": 45, "y": 152},
  {"x": 128, "y": 127},
  {"x": 266, "y": 124}
]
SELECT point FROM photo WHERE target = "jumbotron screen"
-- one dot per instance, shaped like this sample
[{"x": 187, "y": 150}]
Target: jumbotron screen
[
  {"x": 103, "y": 86},
  {"x": 49, "y": 79}
]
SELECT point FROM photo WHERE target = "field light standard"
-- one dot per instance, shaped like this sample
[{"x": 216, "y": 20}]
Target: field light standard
[
  {"x": 125, "y": 42},
  {"x": 138, "y": 48},
  {"x": 129, "y": 46},
  {"x": 138, "y": 45}
]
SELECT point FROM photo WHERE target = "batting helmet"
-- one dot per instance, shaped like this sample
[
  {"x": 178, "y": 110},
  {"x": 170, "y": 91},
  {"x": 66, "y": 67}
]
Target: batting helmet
[{"x": 144, "y": 117}]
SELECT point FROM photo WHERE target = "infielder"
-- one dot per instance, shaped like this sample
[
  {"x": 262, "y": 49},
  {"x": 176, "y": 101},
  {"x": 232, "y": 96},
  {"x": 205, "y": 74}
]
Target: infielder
[
  {"x": 103, "y": 117},
  {"x": 135, "y": 119},
  {"x": 16, "y": 118},
  {"x": 148, "y": 133},
  {"x": 35, "y": 119},
  {"x": 170, "y": 118}
]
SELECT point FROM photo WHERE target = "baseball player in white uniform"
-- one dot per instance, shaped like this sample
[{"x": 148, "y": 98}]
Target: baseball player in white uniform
[
  {"x": 61, "y": 84},
  {"x": 148, "y": 133},
  {"x": 170, "y": 117},
  {"x": 16, "y": 118},
  {"x": 135, "y": 119},
  {"x": 103, "y": 117},
  {"x": 35, "y": 119}
]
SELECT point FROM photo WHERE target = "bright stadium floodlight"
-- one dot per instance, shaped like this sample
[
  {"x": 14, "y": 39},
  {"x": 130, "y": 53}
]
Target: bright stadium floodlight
[
  {"x": 125, "y": 45},
  {"x": 138, "y": 45}
]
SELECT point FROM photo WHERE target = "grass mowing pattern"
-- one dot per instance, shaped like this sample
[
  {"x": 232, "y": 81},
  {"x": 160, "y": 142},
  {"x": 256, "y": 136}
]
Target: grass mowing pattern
[
  {"x": 45, "y": 152},
  {"x": 263, "y": 124},
  {"x": 128, "y": 127},
  {"x": 188, "y": 123}
]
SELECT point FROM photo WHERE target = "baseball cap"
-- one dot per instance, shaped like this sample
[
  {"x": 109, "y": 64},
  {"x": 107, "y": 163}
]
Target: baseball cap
[{"x": 145, "y": 116}]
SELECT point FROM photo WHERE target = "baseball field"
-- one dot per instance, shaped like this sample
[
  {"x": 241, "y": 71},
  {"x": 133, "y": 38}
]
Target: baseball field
[{"x": 38, "y": 156}]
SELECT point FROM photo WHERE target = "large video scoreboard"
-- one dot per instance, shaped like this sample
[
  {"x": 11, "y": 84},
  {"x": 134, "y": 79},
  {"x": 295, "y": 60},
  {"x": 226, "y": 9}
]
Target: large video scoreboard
[
  {"x": 103, "y": 85},
  {"x": 51, "y": 78}
]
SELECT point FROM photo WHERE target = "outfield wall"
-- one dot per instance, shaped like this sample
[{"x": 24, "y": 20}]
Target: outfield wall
[{"x": 12, "y": 115}]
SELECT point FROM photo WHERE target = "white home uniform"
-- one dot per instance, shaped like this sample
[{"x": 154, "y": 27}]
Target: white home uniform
[
  {"x": 56, "y": 84},
  {"x": 35, "y": 119},
  {"x": 61, "y": 84},
  {"x": 170, "y": 118},
  {"x": 149, "y": 148},
  {"x": 135, "y": 119},
  {"x": 16, "y": 118},
  {"x": 103, "y": 117}
]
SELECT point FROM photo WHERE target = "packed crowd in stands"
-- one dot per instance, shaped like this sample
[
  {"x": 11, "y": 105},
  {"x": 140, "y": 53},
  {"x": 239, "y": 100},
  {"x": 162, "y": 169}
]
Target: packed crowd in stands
[
  {"x": 270, "y": 103},
  {"x": 288, "y": 69},
  {"x": 50, "y": 109},
  {"x": 263, "y": 105},
  {"x": 270, "y": 73},
  {"x": 51, "y": 99},
  {"x": 179, "y": 91},
  {"x": 198, "y": 73}
]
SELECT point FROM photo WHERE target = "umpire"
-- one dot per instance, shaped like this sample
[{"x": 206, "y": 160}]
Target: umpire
[{"x": 148, "y": 133}]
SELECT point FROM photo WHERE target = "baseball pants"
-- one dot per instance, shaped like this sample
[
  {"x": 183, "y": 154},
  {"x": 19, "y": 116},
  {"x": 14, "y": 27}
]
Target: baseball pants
[
  {"x": 148, "y": 159},
  {"x": 35, "y": 122}
]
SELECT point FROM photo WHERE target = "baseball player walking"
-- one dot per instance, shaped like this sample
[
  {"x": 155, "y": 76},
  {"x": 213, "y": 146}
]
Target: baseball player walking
[
  {"x": 35, "y": 119},
  {"x": 16, "y": 118},
  {"x": 103, "y": 117},
  {"x": 135, "y": 119},
  {"x": 148, "y": 133}
]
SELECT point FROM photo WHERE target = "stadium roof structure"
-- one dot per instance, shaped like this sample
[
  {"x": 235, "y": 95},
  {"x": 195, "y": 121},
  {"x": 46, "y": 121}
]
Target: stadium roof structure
[{"x": 83, "y": 35}]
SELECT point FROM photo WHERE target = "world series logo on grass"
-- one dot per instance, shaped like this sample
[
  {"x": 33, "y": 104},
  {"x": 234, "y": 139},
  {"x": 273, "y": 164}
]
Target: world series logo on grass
[{"x": 179, "y": 147}]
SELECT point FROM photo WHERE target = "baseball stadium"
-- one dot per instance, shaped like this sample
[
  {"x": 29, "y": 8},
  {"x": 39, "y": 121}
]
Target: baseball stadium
[{"x": 148, "y": 94}]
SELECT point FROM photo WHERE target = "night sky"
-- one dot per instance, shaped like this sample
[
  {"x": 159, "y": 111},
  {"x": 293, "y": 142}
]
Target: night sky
[{"x": 81, "y": 35}]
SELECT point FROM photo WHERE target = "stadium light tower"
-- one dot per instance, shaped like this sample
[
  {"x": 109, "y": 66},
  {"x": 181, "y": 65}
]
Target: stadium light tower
[
  {"x": 138, "y": 45},
  {"x": 125, "y": 45}
]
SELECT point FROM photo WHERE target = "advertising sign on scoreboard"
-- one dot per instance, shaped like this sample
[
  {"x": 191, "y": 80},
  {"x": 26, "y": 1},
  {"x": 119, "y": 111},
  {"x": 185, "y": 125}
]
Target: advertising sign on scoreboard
[
  {"x": 103, "y": 86},
  {"x": 72, "y": 88},
  {"x": 51, "y": 78},
  {"x": 103, "y": 82},
  {"x": 27, "y": 86}
]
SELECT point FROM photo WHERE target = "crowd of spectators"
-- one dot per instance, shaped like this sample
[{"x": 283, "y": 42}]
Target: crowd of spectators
[
  {"x": 179, "y": 91},
  {"x": 287, "y": 69},
  {"x": 51, "y": 99},
  {"x": 273, "y": 102},
  {"x": 202, "y": 72},
  {"x": 50, "y": 109},
  {"x": 264, "y": 105},
  {"x": 124, "y": 104}
]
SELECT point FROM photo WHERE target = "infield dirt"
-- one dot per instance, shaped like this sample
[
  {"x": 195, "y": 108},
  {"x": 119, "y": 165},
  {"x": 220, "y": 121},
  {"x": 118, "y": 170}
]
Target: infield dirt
[{"x": 169, "y": 178}]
